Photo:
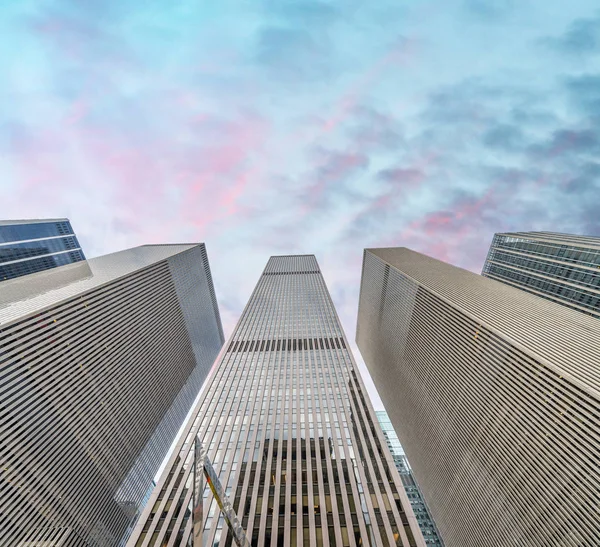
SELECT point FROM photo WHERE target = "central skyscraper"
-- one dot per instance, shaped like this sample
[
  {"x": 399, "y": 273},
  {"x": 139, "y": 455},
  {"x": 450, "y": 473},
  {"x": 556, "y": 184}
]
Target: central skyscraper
[{"x": 290, "y": 431}]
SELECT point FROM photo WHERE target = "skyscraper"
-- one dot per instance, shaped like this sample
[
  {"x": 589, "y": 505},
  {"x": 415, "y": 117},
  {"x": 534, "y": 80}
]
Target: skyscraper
[
  {"x": 559, "y": 267},
  {"x": 428, "y": 528},
  {"x": 29, "y": 246},
  {"x": 101, "y": 361},
  {"x": 290, "y": 432},
  {"x": 495, "y": 396}
]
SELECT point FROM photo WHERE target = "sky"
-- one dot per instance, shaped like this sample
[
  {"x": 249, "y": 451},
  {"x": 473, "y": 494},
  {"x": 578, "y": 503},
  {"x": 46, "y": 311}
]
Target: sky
[{"x": 277, "y": 127}]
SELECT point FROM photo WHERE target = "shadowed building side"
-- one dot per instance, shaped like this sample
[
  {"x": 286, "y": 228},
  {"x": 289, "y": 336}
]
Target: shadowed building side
[{"x": 97, "y": 377}]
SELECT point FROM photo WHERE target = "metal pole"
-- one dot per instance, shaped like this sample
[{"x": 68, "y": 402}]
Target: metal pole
[
  {"x": 199, "y": 483},
  {"x": 204, "y": 469}
]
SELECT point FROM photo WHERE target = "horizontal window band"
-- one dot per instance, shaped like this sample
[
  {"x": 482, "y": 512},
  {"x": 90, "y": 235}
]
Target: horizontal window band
[
  {"x": 291, "y": 273},
  {"x": 286, "y": 344}
]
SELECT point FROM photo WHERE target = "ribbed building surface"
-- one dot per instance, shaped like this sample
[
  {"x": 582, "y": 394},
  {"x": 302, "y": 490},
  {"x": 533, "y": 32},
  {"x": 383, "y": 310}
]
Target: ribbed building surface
[
  {"x": 101, "y": 362},
  {"x": 30, "y": 246},
  {"x": 289, "y": 429},
  {"x": 562, "y": 268},
  {"x": 428, "y": 528},
  {"x": 495, "y": 396}
]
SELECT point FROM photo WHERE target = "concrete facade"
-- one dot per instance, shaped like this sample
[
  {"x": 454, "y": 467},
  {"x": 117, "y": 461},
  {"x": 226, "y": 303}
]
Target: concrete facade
[
  {"x": 495, "y": 396},
  {"x": 290, "y": 431},
  {"x": 101, "y": 362}
]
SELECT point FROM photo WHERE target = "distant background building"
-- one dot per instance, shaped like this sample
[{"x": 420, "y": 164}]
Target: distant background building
[
  {"x": 98, "y": 374},
  {"x": 560, "y": 267},
  {"x": 430, "y": 532},
  {"x": 494, "y": 394},
  {"x": 290, "y": 431},
  {"x": 30, "y": 246}
]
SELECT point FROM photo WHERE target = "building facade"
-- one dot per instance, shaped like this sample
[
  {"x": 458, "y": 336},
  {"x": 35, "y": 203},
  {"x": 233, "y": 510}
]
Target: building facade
[
  {"x": 30, "y": 246},
  {"x": 562, "y": 268},
  {"x": 495, "y": 396},
  {"x": 289, "y": 430},
  {"x": 101, "y": 361},
  {"x": 428, "y": 528}
]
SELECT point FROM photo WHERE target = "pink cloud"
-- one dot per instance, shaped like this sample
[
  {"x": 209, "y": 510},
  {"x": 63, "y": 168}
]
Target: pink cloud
[
  {"x": 77, "y": 111},
  {"x": 84, "y": 40},
  {"x": 332, "y": 169},
  {"x": 399, "y": 55},
  {"x": 155, "y": 175}
]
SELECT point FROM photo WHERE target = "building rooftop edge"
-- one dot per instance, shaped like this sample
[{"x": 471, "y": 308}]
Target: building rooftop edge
[
  {"x": 541, "y": 328},
  {"x": 31, "y": 221},
  {"x": 290, "y": 256},
  {"x": 574, "y": 240},
  {"x": 32, "y": 293}
]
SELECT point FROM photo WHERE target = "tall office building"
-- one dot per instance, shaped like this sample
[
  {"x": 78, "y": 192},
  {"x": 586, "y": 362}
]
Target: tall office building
[
  {"x": 559, "y": 267},
  {"x": 29, "y": 246},
  {"x": 289, "y": 429},
  {"x": 495, "y": 396},
  {"x": 428, "y": 528},
  {"x": 101, "y": 361}
]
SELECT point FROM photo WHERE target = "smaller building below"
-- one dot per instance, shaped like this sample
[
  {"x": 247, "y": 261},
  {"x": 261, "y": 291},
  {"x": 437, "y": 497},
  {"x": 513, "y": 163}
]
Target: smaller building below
[{"x": 419, "y": 507}]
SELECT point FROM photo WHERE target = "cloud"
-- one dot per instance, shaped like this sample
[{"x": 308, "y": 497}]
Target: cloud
[
  {"x": 584, "y": 92},
  {"x": 293, "y": 44},
  {"x": 405, "y": 177},
  {"x": 374, "y": 131},
  {"x": 581, "y": 38},
  {"x": 292, "y": 54},
  {"x": 584, "y": 189},
  {"x": 332, "y": 172},
  {"x": 190, "y": 177},
  {"x": 489, "y": 10},
  {"x": 568, "y": 142},
  {"x": 504, "y": 136},
  {"x": 478, "y": 166},
  {"x": 299, "y": 126},
  {"x": 304, "y": 12}
]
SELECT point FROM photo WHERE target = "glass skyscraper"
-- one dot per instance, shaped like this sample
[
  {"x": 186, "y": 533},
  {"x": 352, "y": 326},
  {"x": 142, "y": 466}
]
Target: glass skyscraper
[
  {"x": 559, "y": 267},
  {"x": 101, "y": 361},
  {"x": 495, "y": 396},
  {"x": 30, "y": 246},
  {"x": 290, "y": 432},
  {"x": 430, "y": 532}
]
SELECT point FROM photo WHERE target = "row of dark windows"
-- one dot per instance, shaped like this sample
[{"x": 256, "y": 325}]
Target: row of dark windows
[
  {"x": 17, "y": 269},
  {"x": 566, "y": 253},
  {"x": 301, "y": 503},
  {"x": 20, "y": 232},
  {"x": 290, "y": 273},
  {"x": 19, "y": 251},
  {"x": 580, "y": 296},
  {"x": 571, "y": 273},
  {"x": 289, "y": 344}
]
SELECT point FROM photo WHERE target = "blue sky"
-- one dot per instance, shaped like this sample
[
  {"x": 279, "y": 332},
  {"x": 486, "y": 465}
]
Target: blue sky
[{"x": 277, "y": 126}]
